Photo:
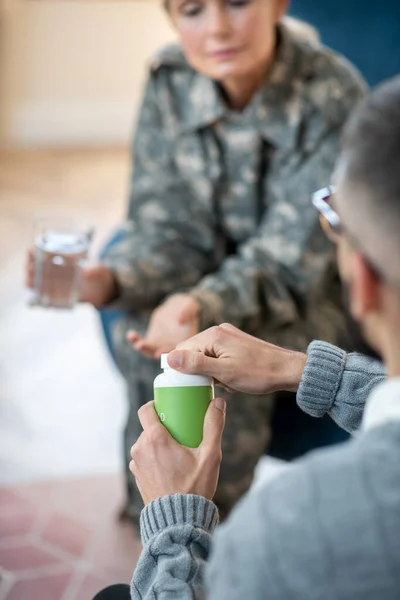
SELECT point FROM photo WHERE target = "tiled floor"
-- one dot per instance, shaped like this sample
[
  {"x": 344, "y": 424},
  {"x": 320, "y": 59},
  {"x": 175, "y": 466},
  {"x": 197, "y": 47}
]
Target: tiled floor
[{"x": 60, "y": 541}]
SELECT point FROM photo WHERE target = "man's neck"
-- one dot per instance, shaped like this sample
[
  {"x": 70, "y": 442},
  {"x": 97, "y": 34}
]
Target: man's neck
[
  {"x": 393, "y": 368},
  {"x": 391, "y": 351}
]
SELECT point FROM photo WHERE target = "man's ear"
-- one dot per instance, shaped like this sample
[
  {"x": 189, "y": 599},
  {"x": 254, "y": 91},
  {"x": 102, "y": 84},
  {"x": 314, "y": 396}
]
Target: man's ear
[{"x": 365, "y": 287}]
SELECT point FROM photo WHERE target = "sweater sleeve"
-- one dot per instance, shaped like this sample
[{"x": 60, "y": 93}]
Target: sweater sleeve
[
  {"x": 176, "y": 534},
  {"x": 316, "y": 530},
  {"x": 337, "y": 383},
  {"x": 299, "y": 536},
  {"x": 168, "y": 242}
]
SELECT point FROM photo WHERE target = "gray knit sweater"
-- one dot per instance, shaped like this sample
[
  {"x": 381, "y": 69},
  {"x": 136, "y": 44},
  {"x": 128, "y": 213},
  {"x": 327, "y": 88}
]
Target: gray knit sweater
[{"x": 327, "y": 528}]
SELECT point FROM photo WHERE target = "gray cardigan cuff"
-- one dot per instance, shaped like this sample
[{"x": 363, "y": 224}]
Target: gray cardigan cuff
[
  {"x": 180, "y": 509},
  {"x": 321, "y": 378}
]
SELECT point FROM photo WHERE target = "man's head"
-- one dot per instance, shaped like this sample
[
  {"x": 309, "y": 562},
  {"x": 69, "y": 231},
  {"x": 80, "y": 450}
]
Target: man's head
[{"x": 368, "y": 203}]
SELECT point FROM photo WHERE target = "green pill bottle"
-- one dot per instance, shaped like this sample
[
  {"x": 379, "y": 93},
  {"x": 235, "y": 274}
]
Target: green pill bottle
[{"x": 181, "y": 402}]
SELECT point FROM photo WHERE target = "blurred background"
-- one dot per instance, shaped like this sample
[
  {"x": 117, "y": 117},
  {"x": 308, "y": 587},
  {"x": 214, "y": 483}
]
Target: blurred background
[
  {"x": 70, "y": 82},
  {"x": 71, "y": 73}
]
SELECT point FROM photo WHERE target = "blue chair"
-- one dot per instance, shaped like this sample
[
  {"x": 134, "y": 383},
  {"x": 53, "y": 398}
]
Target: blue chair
[
  {"x": 108, "y": 316},
  {"x": 295, "y": 433}
]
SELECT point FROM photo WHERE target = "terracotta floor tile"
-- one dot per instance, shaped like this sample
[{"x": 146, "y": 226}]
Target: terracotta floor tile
[
  {"x": 25, "y": 556},
  {"x": 78, "y": 518},
  {"x": 67, "y": 533},
  {"x": 91, "y": 500},
  {"x": 38, "y": 493},
  {"x": 115, "y": 552},
  {"x": 11, "y": 501},
  {"x": 40, "y": 588},
  {"x": 7, "y": 497},
  {"x": 18, "y": 522}
]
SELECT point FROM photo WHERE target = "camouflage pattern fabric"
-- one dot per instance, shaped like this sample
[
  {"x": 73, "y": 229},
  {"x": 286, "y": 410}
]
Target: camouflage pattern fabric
[{"x": 220, "y": 208}]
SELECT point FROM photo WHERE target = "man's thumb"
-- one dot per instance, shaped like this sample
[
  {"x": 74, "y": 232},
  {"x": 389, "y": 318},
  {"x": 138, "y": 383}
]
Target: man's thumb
[
  {"x": 192, "y": 362},
  {"x": 214, "y": 423}
]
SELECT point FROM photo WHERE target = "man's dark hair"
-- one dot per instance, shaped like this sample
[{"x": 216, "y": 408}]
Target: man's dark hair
[
  {"x": 371, "y": 146},
  {"x": 370, "y": 171}
]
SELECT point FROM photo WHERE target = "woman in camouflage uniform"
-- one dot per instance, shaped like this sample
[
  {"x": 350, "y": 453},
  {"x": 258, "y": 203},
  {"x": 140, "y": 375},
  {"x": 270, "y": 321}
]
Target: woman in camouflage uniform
[{"x": 239, "y": 124}]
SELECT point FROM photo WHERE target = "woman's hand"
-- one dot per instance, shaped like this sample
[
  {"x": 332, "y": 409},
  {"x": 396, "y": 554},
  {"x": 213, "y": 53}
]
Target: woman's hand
[
  {"x": 239, "y": 361},
  {"x": 171, "y": 323},
  {"x": 162, "y": 467},
  {"x": 98, "y": 286}
]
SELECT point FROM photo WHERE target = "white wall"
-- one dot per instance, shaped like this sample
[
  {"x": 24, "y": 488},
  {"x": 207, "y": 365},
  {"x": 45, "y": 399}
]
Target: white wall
[{"x": 72, "y": 70}]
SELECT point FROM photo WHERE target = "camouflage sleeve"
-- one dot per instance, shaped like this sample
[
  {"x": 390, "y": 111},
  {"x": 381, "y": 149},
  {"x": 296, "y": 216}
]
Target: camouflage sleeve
[
  {"x": 168, "y": 239},
  {"x": 272, "y": 274}
]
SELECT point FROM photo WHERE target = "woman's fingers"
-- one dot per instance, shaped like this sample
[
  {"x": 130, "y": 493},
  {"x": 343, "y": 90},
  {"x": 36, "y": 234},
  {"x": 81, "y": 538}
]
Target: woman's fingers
[
  {"x": 133, "y": 336},
  {"x": 151, "y": 349}
]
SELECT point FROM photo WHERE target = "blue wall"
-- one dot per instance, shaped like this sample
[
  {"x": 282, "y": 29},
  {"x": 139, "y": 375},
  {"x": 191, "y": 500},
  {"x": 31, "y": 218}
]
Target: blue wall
[{"x": 365, "y": 31}]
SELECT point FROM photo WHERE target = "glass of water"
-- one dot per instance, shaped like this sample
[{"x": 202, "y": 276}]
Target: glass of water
[{"x": 61, "y": 247}]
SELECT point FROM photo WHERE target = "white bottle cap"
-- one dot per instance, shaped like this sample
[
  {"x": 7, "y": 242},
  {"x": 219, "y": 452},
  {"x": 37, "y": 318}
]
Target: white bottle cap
[{"x": 164, "y": 362}]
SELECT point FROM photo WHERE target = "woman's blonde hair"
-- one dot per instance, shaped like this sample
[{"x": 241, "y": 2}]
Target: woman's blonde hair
[
  {"x": 302, "y": 29},
  {"x": 299, "y": 28}
]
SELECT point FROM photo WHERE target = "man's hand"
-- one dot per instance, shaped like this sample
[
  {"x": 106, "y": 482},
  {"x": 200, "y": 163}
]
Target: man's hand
[
  {"x": 98, "y": 286},
  {"x": 171, "y": 323},
  {"x": 239, "y": 361},
  {"x": 162, "y": 467}
]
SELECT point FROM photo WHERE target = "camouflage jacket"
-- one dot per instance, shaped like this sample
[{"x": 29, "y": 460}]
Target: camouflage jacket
[{"x": 220, "y": 201}]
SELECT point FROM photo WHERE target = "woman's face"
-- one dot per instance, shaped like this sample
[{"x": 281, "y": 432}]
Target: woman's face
[{"x": 227, "y": 38}]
